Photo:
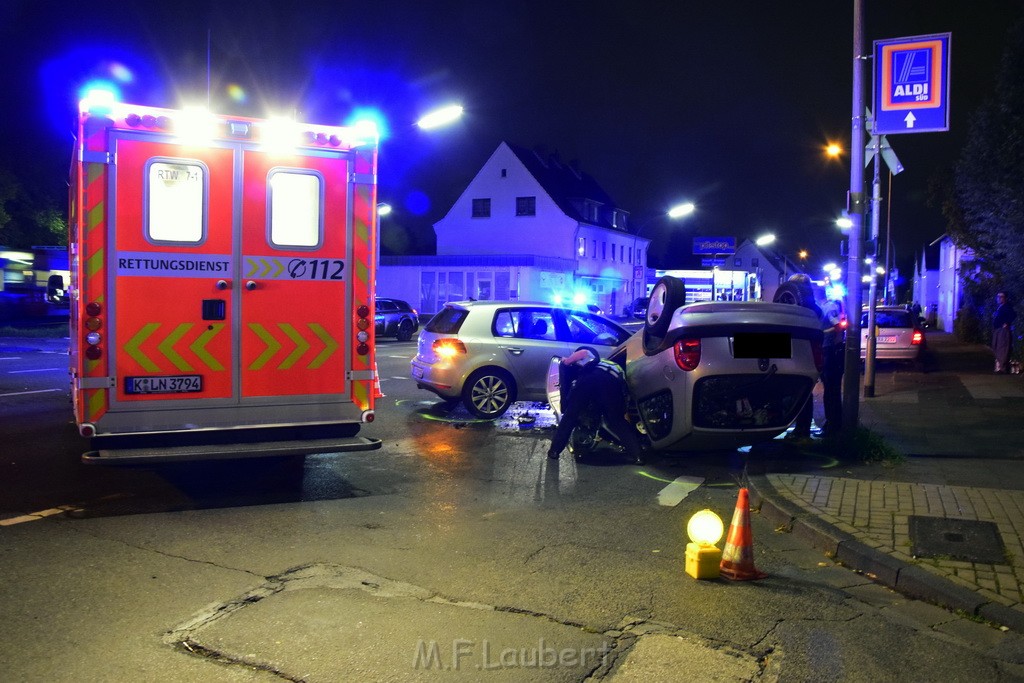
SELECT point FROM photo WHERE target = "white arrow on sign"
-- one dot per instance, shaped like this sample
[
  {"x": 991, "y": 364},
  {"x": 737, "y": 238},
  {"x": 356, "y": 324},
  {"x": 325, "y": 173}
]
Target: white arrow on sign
[{"x": 910, "y": 118}]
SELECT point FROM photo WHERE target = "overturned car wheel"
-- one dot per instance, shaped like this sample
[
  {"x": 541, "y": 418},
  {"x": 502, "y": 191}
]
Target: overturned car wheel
[{"x": 669, "y": 294}]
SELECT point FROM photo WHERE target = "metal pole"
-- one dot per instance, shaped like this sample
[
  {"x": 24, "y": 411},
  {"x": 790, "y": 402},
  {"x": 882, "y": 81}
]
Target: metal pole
[
  {"x": 851, "y": 376},
  {"x": 869, "y": 356},
  {"x": 890, "y": 284}
]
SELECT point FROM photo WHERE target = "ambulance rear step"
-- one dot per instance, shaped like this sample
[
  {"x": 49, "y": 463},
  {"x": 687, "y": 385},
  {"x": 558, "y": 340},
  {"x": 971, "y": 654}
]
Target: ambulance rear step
[{"x": 258, "y": 442}]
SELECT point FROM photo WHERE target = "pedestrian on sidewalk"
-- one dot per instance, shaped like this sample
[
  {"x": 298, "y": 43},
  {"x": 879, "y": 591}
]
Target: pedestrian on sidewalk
[{"x": 1002, "y": 332}]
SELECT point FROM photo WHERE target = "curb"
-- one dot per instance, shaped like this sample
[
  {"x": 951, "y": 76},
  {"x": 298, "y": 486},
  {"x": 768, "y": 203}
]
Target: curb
[{"x": 903, "y": 577}]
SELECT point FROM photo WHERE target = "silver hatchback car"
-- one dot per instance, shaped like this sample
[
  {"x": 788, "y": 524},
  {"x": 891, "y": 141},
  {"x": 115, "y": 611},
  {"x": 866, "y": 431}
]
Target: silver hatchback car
[{"x": 490, "y": 354}]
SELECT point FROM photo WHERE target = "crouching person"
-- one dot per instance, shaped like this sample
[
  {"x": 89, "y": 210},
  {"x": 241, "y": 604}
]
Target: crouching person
[{"x": 600, "y": 387}]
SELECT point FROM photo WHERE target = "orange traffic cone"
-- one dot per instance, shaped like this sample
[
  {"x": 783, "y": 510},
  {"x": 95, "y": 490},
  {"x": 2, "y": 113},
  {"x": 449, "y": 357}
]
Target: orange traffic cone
[
  {"x": 377, "y": 393},
  {"x": 738, "y": 556}
]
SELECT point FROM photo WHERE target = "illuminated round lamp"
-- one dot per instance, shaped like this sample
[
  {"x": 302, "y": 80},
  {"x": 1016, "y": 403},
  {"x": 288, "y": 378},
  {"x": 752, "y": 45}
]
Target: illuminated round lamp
[
  {"x": 703, "y": 558},
  {"x": 309, "y": 137},
  {"x": 133, "y": 120},
  {"x": 149, "y": 121},
  {"x": 93, "y": 308},
  {"x": 93, "y": 353},
  {"x": 363, "y": 311},
  {"x": 93, "y": 338},
  {"x": 363, "y": 336},
  {"x": 334, "y": 141},
  {"x": 705, "y": 528},
  {"x": 164, "y": 122},
  {"x": 363, "y": 349},
  {"x": 321, "y": 138},
  {"x": 363, "y": 323},
  {"x": 93, "y": 323}
]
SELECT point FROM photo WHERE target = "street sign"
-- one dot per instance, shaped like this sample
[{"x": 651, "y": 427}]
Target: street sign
[
  {"x": 714, "y": 245},
  {"x": 912, "y": 84}
]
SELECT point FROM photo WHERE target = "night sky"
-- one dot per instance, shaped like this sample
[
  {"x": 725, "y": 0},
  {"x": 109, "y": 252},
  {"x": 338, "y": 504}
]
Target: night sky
[{"x": 727, "y": 105}]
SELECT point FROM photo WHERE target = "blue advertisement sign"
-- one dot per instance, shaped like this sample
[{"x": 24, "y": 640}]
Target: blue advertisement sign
[
  {"x": 911, "y": 84},
  {"x": 714, "y": 245}
]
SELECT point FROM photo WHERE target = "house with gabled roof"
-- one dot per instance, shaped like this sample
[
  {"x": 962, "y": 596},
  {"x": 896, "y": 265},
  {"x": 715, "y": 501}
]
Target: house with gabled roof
[{"x": 528, "y": 227}]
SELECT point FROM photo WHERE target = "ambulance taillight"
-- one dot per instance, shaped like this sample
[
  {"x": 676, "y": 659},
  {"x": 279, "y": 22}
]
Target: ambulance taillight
[{"x": 93, "y": 337}]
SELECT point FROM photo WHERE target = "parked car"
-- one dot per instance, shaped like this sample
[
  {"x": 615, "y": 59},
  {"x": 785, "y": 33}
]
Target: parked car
[
  {"x": 489, "y": 354},
  {"x": 899, "y": 336},
  {"x": 636, "y": 308},
  {"x": 720, "y": 374},
  {"x": 396, "y": 318}
]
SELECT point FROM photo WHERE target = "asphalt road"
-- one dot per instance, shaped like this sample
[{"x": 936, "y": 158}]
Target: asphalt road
[{"x": 457, "y": 551}]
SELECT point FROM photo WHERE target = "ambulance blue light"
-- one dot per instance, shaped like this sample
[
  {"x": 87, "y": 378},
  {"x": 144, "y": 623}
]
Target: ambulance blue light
[
  {"x": 579, "y": 299},
  {"x": 99, "y": 97}
]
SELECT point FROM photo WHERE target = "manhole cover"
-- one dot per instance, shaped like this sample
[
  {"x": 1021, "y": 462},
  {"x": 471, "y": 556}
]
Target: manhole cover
[{"x": 957, "y": 539}]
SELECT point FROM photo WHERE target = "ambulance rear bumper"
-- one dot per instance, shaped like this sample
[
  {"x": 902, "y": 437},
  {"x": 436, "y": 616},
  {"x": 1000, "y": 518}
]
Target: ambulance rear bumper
[{"x": 226, "y": 451}]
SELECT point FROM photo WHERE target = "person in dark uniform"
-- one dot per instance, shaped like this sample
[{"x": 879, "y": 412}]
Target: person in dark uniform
[
  {"x": 834, "y": 351},
  {"x": 601, "y": 386},
  {"x": 1002, "y": 337}
]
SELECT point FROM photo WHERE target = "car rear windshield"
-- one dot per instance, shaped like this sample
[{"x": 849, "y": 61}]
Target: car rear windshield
[
  {"x": 889, "y": 319},
  {"x": 447, "y": 321}
]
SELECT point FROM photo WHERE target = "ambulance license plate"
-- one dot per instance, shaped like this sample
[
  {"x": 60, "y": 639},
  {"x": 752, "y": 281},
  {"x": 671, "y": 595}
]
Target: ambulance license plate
[{"x": 172, "y": 384}]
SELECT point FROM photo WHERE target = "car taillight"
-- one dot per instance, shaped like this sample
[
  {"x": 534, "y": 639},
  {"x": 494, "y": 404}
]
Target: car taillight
[
  {"x": 844, "y": 323},
  {"x": 448, "y": 348},
  {"x": 687, "y": 352},
  {"x": 917, "y": 338},
  {"x": 819, "y": 355}
]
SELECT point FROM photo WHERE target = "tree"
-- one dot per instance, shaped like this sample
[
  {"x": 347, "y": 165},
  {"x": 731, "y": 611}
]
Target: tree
[
  {"x": 988, "y": 215},
  {"x": 28, "y": 219}
]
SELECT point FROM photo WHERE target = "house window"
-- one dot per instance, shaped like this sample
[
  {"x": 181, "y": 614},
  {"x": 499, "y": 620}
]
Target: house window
[
  {"x": 482, "y": 208},
  {"x": 755, "y": 262},
  {"x": 604, "y": 251},
  {"x": 526, "y": 206},
  {"x": 581, "y": 246},
  {"x": 504, "y": 173},
  {"x": 613, "y": 252},
  {"x": 594, "y": 244},
  {"x": 737, "y": 263}
]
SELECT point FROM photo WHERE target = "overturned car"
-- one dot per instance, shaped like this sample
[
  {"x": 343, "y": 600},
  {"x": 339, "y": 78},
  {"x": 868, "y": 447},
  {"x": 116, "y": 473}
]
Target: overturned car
[{"x": 717, "y": 375}]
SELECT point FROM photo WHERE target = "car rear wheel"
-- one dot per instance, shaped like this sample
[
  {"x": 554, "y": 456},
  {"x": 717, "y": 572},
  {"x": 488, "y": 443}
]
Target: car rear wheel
[
  {"x": 793, "y": 293},
  {"x": 404, "y": 331},
  {"x": 489, "y": 393},
  {"x": 669, "y": 293}
]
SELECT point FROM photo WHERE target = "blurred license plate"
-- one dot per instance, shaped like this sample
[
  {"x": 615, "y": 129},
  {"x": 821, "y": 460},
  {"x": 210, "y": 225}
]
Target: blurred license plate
[
  {"x": 762, "y": 345},
  {"x": 172, "y": 384},
  {"x": 417, "y": 372},
  {"x": 886, "y": 340}
]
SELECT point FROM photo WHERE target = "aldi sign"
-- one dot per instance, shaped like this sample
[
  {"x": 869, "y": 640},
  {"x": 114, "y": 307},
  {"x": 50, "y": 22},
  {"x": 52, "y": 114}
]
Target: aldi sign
[{"x": 911, "y": 84}]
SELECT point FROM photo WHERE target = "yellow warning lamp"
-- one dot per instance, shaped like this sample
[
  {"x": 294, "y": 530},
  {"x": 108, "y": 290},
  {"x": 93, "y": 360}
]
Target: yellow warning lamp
[{"x": 703, "y": 558}]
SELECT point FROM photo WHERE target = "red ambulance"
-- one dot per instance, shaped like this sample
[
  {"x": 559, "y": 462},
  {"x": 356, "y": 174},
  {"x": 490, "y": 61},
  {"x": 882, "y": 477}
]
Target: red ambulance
[{"x": 222, "y": 284}]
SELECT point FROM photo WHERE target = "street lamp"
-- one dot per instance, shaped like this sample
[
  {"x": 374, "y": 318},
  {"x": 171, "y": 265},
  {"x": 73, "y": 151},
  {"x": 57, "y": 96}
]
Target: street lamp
[{"x": 674, "y": 213}]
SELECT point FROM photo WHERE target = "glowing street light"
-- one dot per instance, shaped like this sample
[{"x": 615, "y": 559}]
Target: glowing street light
[
  {"x": 844, "y": 223},
  {"x": 440, "y": 117},
  {"x": 833, "y": 150},
  {"x": 680, "y": 210},
  {"x": 765, "y": 240}
]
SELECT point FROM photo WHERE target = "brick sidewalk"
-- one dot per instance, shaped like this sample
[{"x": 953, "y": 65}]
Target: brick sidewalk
[{"x": 877, "y": 513}]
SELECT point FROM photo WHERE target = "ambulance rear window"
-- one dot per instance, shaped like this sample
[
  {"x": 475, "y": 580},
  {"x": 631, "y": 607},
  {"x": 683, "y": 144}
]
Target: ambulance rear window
[
  {"x": 296, "y": 209},
  {"x": 176, "y": 201}
]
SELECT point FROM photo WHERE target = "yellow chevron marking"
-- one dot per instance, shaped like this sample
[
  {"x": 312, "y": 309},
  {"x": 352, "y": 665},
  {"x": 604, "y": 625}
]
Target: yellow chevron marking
[
  {"x": 278, "y": 267},
  {"x": 198, "y": 347},
  {"x": 94, "y": 263},
  {"x": 167, "y": 347},
  {"x": 253, "y": 267},
  {"x": 96, "y": 404},
  {"x": 301, "y": 346},
  {"x": 133, "y": 350},
  {"x": 273, "y": 346},
  {"x": 330, "y": 346}
]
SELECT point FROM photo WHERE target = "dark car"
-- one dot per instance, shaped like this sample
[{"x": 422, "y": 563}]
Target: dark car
[
  {"x": 637, "y": 308},
  {"x": 396, "y": 318}
]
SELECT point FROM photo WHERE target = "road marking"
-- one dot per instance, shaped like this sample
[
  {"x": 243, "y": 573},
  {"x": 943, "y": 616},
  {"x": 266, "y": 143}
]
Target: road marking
[
  {"x": 18, "y": 372},
  {"x": 400, "y": 377},
  {"x": 36, "y": 516},
  {"x": 23, "y": 393},
  {"x": 11, "y": 358},
  {"x": 674, "y": 493}
]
